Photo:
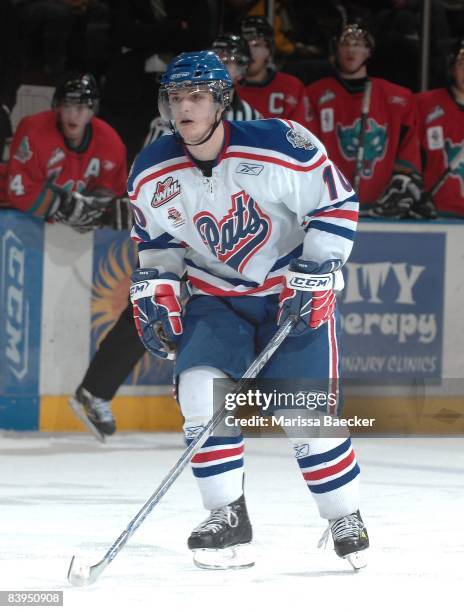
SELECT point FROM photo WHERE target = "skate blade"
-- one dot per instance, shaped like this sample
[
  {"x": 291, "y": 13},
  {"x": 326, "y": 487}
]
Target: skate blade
[
  {"x": 80, "y": 413},
  {"x": 233, "y": 557},
  {"x": 357, "y": 560}
]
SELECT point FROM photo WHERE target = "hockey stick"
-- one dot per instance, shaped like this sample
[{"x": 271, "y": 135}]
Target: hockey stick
[
  {"x": 453, "y": 165},
  {"x": 365, "y": 106},
  {"x": 82, "y": 575}
]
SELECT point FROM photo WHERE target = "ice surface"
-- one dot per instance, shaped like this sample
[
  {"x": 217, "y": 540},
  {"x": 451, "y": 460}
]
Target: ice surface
[{"x": 68, "y": 494}]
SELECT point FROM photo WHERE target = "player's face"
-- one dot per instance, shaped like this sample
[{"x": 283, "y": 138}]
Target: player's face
[
  {"x": 458, "y": 73},
  {"x": 74, "y": 119},
  {"x": 193, "y": 111},
  {"x": 352, "y": 54},
  {"x": 260, "y": 54}
]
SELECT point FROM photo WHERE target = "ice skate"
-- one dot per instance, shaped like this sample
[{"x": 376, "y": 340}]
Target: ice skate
[
  {"x": 350, "y": 539},
  {"x": 223, "y": 540},
  {"x": 94, "y": 412}
]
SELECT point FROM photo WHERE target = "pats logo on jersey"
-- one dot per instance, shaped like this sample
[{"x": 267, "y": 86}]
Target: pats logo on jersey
[
  {"x": 236, "y": 237},
  {"x": 24, "y": 153},
  {"x": 375, "y": 143},
  {"x": 299, "y": 141},
  {"x": 451, "y": 150},
  {"x": 165, "y": 190}
]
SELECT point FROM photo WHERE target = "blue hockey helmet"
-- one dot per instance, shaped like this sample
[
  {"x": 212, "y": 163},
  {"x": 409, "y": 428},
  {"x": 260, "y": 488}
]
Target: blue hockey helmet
[{"x": 195, "y": 70}]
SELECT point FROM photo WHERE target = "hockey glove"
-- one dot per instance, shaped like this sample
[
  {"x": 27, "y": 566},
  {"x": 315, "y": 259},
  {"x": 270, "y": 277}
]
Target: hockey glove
[
  {"x": 397, "y": 199},
  {"x": 157, "y": 311},
  {"x": 118, "y": 216},
  {"x": 308, "y": 295},
  {"x": 81, "y": 212}
]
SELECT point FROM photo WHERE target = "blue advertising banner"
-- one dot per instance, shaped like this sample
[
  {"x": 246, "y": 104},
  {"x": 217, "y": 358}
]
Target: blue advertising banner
[
  {"x": 114, "y": 260},
  {"x": 392, "y": 306},
  {"x": 21, "y": 265}
]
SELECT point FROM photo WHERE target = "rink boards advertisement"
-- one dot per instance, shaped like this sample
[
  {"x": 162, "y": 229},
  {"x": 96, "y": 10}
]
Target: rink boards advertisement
[
  {"x": 392, "y": 306},
  {"x": 61, "y": 292},
  {"x": 21, "y": 264}
]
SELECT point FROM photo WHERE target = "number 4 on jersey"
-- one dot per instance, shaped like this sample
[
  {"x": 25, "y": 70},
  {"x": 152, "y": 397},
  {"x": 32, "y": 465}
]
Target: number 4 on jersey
[{"x": 16, "y": 185}]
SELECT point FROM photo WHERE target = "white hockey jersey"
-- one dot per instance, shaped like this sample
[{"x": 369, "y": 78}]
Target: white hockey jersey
[{"x": 273, "y": 196}]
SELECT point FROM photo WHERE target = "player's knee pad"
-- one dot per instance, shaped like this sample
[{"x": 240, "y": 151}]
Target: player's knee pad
[{"x": 196, "y": 394}]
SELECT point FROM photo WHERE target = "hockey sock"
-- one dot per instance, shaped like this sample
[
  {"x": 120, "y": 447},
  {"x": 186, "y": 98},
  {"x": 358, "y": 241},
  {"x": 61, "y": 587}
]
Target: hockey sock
[
  {"x": 331, "y": 473},
  {"x": 218, "y": 465}
]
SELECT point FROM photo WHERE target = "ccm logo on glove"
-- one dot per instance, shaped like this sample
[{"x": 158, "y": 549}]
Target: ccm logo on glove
[{"x": 310, "y": 283}]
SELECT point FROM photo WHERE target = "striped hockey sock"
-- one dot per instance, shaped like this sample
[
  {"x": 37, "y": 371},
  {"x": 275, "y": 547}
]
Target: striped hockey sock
[
  {"x": 218, "y": 468},
  {"x": 331, "y": 472}
]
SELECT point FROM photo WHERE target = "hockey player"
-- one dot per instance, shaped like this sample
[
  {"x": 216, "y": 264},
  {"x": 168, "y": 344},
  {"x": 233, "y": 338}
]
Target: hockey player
[
  {"x": 441, "y": 129},
  {"x": 390, "y": 184},
  {"x": 244, "y": 208},
  {"x": 68, "y": 166},
  {"x": 273, "y": 94}
]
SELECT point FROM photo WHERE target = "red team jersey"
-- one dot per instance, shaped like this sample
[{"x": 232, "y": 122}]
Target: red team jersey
[
  {"x": 391, "y": 137},
  {"x": 40, "y": 160},
  {"x": 441, "y": 132},
  {"x": 282, "y": 96}
]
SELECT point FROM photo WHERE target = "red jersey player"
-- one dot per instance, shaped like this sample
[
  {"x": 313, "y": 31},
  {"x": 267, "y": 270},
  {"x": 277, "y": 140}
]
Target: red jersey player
[
  {"x": 390, "y": 184},
  {"x": 273, "y": 94},
  {"x": 441, "y": 129},
  {"x": 66, "y": 165}
]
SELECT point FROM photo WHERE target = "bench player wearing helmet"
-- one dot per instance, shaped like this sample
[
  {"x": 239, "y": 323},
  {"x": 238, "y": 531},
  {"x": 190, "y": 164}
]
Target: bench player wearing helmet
[{"x": 68, "y": 166}]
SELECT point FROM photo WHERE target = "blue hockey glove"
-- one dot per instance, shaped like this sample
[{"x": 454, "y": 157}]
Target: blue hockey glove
[
  {"x": 308, "y": 294},
  {"x": 157, "y": 311}
]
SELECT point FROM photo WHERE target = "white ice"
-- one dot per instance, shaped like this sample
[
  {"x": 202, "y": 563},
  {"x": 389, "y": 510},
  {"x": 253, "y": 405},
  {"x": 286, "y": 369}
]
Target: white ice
[{"x": 68, "y": 494}]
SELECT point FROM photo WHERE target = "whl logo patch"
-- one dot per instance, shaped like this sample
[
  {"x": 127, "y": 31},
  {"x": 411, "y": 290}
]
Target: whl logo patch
[
  {"x": 236, "y": 237},
  {"x": 165, "y": 191}
]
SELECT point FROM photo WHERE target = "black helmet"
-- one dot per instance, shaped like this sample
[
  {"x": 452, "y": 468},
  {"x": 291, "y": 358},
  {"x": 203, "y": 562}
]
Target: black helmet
[
  {"x": 358, "y": 30},
  {"x": 257, "y": 27},
  {"x": 235, "y": 47},
  {"x": 80, "y": 88}
]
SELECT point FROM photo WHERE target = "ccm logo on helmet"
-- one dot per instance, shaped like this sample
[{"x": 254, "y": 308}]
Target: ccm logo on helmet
[{"x": 311, "y": 283}]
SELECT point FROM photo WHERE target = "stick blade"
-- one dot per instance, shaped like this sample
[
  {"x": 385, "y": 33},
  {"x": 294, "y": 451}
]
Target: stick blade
[{"x": 80, "y": 574}]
